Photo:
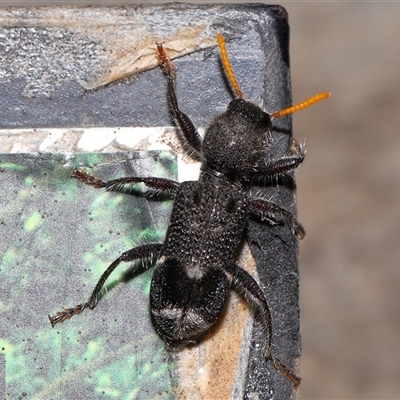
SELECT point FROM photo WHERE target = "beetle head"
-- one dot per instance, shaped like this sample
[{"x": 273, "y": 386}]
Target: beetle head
[{"x": 236, "y": 140}]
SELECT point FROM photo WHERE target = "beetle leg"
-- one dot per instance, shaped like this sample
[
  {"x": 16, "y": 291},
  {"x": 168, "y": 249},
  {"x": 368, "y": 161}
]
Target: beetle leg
[
  {"x": 282, "y": 166},
  {"x": 246, "y": 286},
  {"x": 140, "y": 252},
  {"x": 266, "y": 210},
  {"x": 124, "y": 184},
  {"x": 183, "y": 122}
]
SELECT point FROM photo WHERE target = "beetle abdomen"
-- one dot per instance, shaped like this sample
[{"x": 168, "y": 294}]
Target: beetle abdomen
[{"x": 182, "y": 306}]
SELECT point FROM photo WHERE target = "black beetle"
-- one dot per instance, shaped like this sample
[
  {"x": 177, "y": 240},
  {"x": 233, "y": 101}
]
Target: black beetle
[{"x": 195, "y": 267}]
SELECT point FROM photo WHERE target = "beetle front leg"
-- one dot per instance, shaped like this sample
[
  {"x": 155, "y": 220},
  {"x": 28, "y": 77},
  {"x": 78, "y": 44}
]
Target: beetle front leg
[
  {"x": 182, "y": 121},
  {"x": 140, "y": 252},
  {"x": 281, "y": 166}
]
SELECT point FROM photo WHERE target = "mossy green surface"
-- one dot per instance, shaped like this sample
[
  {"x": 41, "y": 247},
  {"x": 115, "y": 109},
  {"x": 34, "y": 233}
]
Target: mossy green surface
[{"x": 57, "y": 237}]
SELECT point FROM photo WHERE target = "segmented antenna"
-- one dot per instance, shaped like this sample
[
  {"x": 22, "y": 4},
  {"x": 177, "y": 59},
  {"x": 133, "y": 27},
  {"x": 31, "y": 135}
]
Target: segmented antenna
[
  {"x": 304, "y": 104},
  {"x": 232, "y": 79},
  {"x": 227, "y": 66}
]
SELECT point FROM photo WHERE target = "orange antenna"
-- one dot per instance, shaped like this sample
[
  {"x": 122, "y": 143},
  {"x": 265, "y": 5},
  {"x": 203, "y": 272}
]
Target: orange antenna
[
  {"x": 304, "y": 104},
  {"x": 166, "y": 65},
  {"x": 228, "y": 67}
]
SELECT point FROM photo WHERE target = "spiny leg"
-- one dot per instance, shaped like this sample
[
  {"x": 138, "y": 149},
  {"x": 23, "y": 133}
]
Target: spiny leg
[
  {"x": 123, "y": 184},
  {"x": 283, "y": 165},
  {"x": 140, "y": 252},
  {"x": 183, "y": 122},
  {"x": 245, "y": 285},
  {"x": 266, "y": 210}
]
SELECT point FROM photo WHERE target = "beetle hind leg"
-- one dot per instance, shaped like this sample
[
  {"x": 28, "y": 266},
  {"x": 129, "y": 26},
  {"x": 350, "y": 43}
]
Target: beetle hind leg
[{"x": 246, "y": 286}]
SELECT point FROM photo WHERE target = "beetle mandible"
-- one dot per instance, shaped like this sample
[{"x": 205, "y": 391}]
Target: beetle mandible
[{"x": 208, "y": 219}]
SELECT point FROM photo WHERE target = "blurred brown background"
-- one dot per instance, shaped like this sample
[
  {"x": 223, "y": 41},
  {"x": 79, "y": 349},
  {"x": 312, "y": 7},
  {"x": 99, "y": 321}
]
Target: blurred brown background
[{"x": 348, "y": 195}]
